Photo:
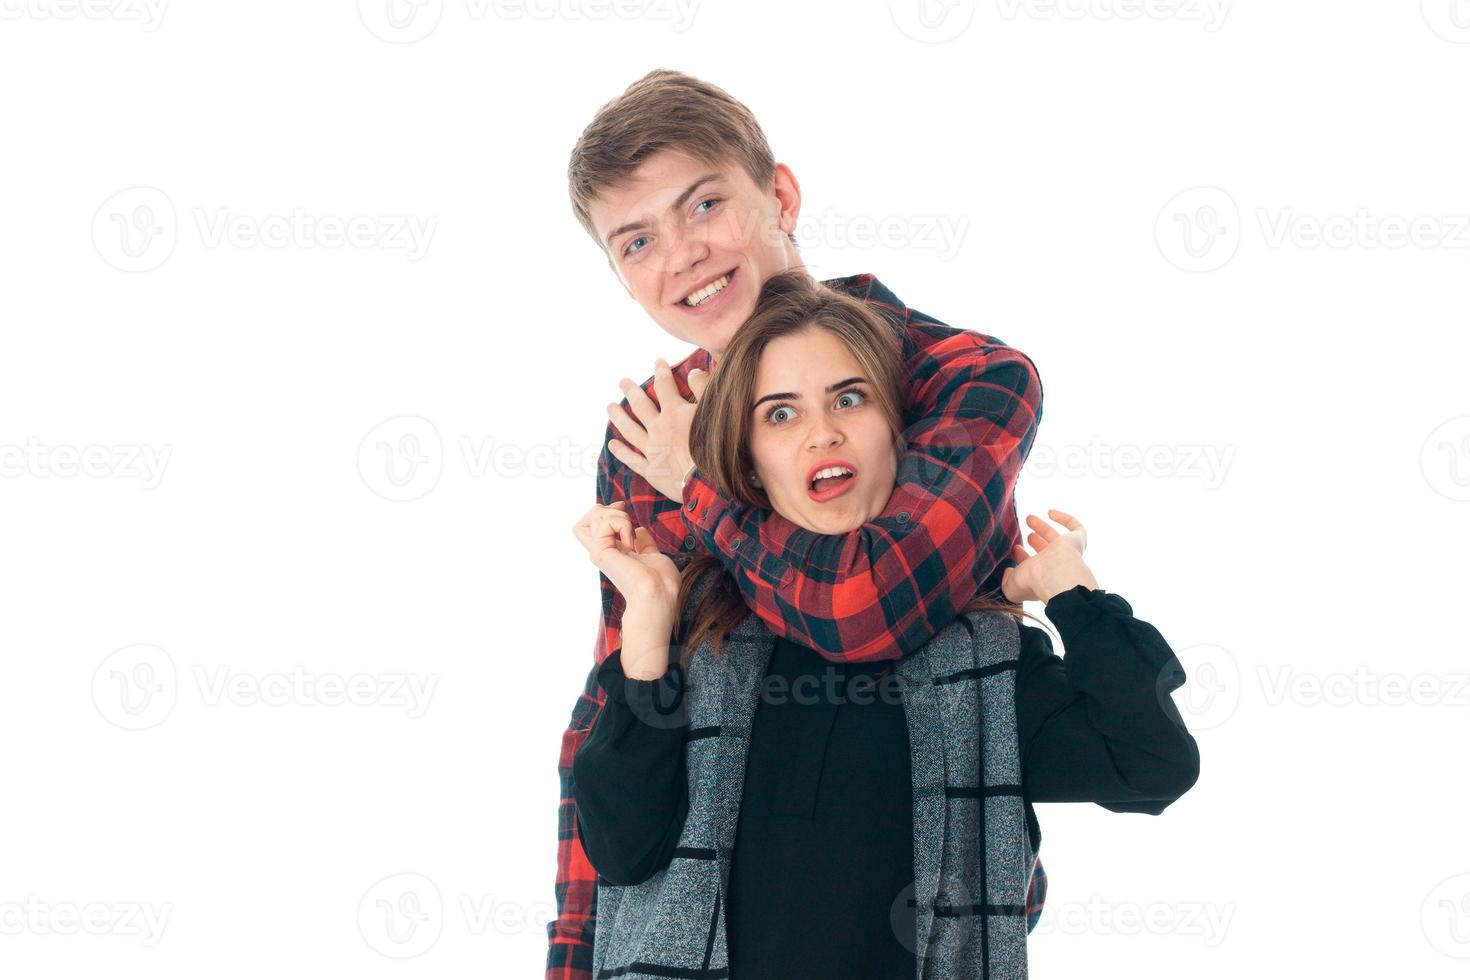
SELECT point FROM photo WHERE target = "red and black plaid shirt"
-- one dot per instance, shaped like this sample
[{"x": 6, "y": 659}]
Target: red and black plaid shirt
[{"x": 971, "y": 409}]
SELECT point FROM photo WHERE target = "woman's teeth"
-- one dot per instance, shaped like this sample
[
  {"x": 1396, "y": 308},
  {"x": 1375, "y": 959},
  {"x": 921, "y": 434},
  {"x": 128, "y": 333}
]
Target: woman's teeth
[
  {"x": 695, "y": 299},
  {"x": 833, "y": 475}
]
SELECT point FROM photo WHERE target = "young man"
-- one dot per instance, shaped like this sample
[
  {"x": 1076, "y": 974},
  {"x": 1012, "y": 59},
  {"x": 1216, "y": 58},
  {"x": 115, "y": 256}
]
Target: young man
[{"x": 675, "y": 181}]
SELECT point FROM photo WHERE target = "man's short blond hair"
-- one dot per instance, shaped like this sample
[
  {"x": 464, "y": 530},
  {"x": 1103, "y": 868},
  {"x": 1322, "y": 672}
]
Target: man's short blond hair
[{"x": 664, "y": 110}]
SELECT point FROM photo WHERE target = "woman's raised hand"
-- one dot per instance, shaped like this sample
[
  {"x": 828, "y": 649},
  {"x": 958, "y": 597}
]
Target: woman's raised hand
[
  {"x": 647, "y": 578},
  {"x": 1055, "y": 567}
]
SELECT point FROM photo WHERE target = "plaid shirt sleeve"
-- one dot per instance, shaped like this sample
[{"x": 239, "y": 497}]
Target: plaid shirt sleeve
[
  {"x": 571, "y": 934},
  {"x": 887, "y": 588}
]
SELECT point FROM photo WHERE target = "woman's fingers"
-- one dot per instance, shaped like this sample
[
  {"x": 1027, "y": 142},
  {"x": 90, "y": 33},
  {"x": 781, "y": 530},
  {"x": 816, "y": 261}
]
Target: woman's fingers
[
  {"x": 1064, "y": 519},
  {"x": 1074, "y": 527},
  {"x": 582, "y": 527},
  {"x": 585, "y": 521},
  {"x": 1071, "y": 523},
  {"x": 1045, "y": 530},
  {"x": 620, "y": 525},
  {"x": 617, "y": 565},
  {"x": 605, "y": 526},
  {"x": 600, "y": 523}
]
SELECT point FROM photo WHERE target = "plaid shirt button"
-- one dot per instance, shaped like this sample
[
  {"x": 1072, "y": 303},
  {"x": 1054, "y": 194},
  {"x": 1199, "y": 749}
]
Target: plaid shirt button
[
  {"x": 903, "y": 517},
  {"x": 688, "y": 542}
]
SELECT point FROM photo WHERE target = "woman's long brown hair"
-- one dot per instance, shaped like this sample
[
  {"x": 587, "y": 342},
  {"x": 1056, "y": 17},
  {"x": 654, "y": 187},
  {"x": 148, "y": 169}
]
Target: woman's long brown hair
[{"x": 719, "y": 437}]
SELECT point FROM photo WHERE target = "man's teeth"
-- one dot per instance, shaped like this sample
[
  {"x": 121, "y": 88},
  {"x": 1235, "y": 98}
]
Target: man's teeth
[
  {"x": 831, "y": 471},
  {"x": 694, "y": 299}
]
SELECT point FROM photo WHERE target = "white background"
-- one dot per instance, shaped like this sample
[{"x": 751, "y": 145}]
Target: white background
[{"x": 1192, "y": 215}]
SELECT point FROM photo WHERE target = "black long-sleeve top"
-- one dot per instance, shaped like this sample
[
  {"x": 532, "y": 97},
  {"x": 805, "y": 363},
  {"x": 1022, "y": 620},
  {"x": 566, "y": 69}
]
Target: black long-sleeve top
[{"x": 826, "y": 817}]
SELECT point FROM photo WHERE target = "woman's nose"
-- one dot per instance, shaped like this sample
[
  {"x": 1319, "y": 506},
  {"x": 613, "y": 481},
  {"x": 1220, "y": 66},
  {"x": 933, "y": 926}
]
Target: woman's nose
[{"x": 824, "y": 435}]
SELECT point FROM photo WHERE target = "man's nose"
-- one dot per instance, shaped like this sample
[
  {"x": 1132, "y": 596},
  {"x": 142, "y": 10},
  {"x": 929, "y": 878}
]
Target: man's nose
[{"x": 684, "y": 249}]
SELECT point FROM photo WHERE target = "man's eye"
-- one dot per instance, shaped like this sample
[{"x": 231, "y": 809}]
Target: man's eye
[
  {"x": 712, "y": 201},
  {"x": 634, "y": 245}
]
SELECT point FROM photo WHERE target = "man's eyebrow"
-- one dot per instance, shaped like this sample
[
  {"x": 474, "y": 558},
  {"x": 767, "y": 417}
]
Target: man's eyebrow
[
  {"x": 793, "y": 396},
  {"x": 678, "y": 203}
]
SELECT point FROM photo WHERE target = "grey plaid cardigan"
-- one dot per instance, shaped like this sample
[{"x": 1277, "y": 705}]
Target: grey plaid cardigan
[{"x": 972, "y": 857}]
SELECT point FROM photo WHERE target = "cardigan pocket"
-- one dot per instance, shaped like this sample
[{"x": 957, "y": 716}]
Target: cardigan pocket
[{"x": 660, "y": 927}]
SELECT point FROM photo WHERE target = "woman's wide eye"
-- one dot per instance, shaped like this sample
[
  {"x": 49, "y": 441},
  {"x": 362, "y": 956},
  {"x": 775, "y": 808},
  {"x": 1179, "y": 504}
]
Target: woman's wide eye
[
  {"x": 775, "y": 412},
  {"x": 851, "y": 394}
]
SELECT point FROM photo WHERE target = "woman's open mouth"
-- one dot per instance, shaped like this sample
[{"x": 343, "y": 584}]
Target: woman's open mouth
[
  {"x": 709, "y": 297},
  {"x": 830, "y": 482}
]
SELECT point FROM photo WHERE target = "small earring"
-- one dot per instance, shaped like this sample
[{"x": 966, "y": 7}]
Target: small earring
[{"x": 755, "y": 479}]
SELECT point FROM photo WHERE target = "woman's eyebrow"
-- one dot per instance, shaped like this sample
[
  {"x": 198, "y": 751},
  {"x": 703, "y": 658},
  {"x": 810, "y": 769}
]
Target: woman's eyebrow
[{"x": 794, "y": 397}]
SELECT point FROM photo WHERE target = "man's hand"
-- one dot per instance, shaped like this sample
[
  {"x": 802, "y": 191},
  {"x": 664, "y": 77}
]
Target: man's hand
[{"x": 660, "y": 432}]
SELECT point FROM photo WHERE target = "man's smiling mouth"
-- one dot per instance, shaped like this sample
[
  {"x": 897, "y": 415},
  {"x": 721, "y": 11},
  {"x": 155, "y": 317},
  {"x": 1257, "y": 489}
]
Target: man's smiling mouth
[{"x": 703, "y": 295}]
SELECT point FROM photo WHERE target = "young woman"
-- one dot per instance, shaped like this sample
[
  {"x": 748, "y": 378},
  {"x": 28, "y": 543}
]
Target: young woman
[{"x": 756, "y": 811}]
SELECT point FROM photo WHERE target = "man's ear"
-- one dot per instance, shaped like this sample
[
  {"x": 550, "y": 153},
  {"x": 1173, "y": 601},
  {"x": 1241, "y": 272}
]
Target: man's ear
[{"x": 788, "y": 197}]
